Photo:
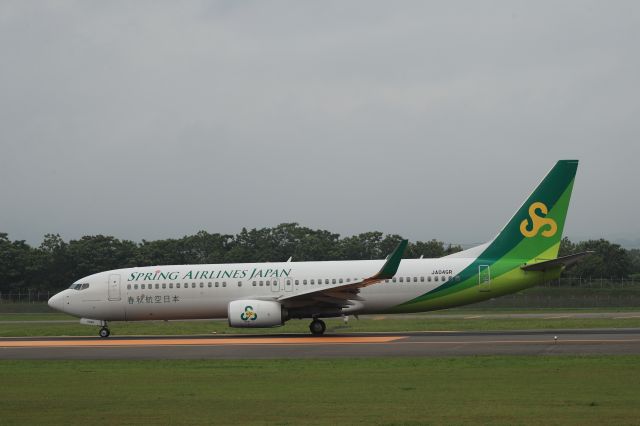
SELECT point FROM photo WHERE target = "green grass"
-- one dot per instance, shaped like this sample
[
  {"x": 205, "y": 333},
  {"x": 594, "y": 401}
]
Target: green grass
[
  {"x": 469, "y": 390},
  {"x": 37, "y": 317},
  {"x": 369, "y": 324}
]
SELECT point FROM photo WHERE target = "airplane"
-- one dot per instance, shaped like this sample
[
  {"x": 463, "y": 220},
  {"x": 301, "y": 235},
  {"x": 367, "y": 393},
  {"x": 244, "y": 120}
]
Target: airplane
[{"x": 255, "y": 295}]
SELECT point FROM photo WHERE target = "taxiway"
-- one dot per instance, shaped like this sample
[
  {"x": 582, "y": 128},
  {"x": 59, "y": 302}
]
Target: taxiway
[{"x": 283, "y": 346}]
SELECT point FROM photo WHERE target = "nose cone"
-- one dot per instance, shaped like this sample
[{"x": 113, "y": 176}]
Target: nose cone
[{"x": 56, "y": 302}]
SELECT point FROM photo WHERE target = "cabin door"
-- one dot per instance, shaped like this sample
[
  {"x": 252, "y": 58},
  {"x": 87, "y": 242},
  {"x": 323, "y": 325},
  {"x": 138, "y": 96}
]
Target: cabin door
[
  {"x": 114, "y": 287},
  {"x": 484, "y": 278}
]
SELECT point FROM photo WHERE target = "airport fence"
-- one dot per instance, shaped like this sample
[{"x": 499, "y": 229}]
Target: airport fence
[
  {"x": 566, "y": 292},
  {"x": 26, "y": 296}
]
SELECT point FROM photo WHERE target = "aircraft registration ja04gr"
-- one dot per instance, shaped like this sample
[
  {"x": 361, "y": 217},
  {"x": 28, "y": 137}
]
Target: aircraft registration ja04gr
[{"x": 523, "y": 254}]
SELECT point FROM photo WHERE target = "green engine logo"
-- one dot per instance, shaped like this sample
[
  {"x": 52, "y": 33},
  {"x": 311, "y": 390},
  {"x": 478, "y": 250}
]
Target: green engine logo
[{"x": 248, "y": 314}]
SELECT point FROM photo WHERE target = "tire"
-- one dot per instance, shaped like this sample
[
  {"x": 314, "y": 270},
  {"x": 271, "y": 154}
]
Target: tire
[
  {"x": 104, "y": 332},
  {"x": 317, "y": 327}
]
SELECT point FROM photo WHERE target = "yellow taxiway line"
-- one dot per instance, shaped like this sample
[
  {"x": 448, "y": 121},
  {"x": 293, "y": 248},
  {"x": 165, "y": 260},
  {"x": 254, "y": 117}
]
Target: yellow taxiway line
[{"x": 195, "y": 342}]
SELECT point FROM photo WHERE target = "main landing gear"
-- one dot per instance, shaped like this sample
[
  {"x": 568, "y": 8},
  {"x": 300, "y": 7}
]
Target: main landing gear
[
  {"x": 104, "y": 332},
  {"x": 317, "y": 327}
]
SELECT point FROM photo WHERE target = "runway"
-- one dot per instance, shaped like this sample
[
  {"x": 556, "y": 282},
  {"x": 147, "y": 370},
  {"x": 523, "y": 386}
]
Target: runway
[{"x": 284, "y": 346}]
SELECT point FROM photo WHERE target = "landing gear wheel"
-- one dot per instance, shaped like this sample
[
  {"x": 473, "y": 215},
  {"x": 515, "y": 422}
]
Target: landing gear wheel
[
  {"x": 317, "y": 327},
  {"x": 104, "y": 332}
]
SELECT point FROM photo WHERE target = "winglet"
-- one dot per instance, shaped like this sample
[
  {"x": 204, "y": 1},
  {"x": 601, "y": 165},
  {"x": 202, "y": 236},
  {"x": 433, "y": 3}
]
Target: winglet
[{"x": 390, "y": 267}]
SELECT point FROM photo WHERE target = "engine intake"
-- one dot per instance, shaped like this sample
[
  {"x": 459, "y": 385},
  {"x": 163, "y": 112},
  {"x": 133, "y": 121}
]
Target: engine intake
[{"x": 255, "y": 313}]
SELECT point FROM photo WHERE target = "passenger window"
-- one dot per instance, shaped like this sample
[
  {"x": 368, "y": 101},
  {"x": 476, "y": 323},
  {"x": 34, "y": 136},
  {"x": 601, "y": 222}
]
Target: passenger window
[
  {"x": 333, "y": 281},
  {"x": 340, "y": 280},
  {"x": 217, "y": 284},
  {"x": 170, "y": 285},
  {"x": 239, "y": 283},
  {"x": 421, "y": 279},
  {"x": 142, "y": 286},
  {"x": 304, "y": 282},
  {"x": 297, "y": 282},
  {"x": 268, "y": 283},
  {"x": 348, "y": 280},
  {"x": 326, "y": 281},
  {"x": 401, "y": 279},
  {"x": 201, "y": 285},
  {"x": 224, "y": 283},
  {"x": 394, "y": 280},
  {"x": 128, "y": 286},
  {"x": 209, "y": 285},
  {"x": 177, "y": 285},
  {"x": 253, "y": 283},
  {"x": 193, "y": 285},
  {"x": 135, "y": 287},
  {"x": 429, "y": 278},
  {"x": 312, "y": 282},
  {"x": 415, "y": 279}
]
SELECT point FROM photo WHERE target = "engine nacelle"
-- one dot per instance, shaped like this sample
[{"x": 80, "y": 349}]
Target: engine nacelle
[{"x": 255, "y": 313}]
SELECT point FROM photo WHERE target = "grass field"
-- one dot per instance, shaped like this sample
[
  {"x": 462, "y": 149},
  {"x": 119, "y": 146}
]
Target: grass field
[
  {"x": 16, "y": 325},
  {"x": 470, "y": 390}
]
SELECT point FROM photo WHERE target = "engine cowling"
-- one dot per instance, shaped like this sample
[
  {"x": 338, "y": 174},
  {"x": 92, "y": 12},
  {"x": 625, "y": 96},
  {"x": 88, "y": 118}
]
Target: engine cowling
[{"x": 255, "y": 313}]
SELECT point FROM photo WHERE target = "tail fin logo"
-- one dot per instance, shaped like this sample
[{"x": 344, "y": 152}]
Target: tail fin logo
[{"x": 538, "y": 222}]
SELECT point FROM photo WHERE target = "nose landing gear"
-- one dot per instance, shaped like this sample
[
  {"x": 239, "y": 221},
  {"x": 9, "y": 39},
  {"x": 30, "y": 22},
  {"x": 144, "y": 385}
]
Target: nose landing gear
[
  {"x": 317, "y": 327},
  {"x": 104, "y": 332}
]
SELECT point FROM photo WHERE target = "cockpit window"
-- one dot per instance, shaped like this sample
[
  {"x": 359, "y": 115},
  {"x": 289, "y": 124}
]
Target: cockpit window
[{"x": 79, "y": 286}]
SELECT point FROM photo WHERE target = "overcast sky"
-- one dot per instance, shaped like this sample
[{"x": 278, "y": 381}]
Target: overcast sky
[{"x": 430, "y": 120}]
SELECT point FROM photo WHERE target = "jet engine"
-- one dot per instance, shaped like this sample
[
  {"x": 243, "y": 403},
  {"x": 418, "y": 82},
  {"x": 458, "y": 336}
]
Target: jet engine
[{"x": 255, "y": 313}]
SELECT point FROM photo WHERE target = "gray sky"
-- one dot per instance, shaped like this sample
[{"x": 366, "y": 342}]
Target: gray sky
[{"x": 430, "y": 120}]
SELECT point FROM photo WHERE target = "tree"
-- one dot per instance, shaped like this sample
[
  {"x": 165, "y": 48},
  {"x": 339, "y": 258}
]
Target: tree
[
  {"x": 15, "y": 257},
  {"x": 92, "y": 254},
  {"x": 634, "y": 258},
  {"x": 608, "y": 261},
  {"x": 433, "y": 248}
]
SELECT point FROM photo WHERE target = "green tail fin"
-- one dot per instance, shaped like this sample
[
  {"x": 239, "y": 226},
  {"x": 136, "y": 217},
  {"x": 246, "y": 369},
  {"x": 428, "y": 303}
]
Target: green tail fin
[{"x": 536, "y": 229}]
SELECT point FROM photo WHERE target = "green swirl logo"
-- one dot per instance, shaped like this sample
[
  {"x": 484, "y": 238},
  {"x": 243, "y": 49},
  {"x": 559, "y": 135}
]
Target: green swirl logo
[
  {"x": 248, "y": 314},
  {"x": 537, "y": 222}
]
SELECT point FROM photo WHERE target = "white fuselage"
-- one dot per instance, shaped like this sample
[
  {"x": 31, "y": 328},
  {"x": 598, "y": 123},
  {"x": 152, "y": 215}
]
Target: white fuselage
[{"x": 205, "y": 291}]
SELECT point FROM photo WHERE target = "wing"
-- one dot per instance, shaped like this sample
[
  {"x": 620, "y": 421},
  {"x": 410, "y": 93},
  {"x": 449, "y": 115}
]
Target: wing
[{"x": 333, "y": 299}]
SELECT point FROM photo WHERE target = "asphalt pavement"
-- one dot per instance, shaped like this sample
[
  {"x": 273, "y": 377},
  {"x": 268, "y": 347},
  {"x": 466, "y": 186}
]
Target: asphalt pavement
[{"x": 331, "y": 345}]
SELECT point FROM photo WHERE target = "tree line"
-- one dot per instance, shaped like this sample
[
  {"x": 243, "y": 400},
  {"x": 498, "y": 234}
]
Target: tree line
[{"x": 56, "y": 263}]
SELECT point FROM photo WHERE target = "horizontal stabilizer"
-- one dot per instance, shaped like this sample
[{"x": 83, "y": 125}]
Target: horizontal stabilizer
[{"x": 551, "y": 264}]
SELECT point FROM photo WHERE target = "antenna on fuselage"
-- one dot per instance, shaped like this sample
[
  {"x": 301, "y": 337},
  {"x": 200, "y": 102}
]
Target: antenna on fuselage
[{"x": 289, "y": 259}]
